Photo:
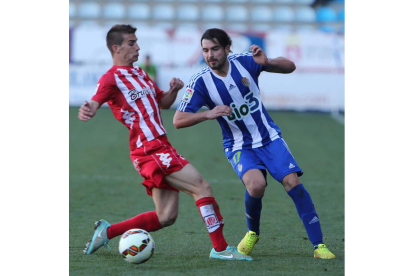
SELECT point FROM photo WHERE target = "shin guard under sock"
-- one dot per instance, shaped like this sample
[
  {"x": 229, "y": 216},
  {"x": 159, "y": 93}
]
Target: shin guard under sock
[
  {"x": 307, "y": 213},
  {"x": 210, "y": 212},
  {"x": 253, "y": 207}
]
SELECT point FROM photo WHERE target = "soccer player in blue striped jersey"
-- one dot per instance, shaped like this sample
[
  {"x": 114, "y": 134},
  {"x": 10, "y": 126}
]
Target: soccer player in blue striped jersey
[{"x": 253, "y": 143}]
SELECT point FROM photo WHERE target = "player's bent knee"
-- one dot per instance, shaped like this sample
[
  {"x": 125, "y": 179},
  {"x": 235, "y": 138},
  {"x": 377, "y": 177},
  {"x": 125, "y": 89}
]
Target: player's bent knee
[
  {"x": 257, "y": 191},
  {"x": 167, "y": 217},
  {"x": 167, "y": 223},
  {"x": 167, "y": 220},
  {"x": 290, "y": 181},
  {"x": 256, "y": 187}
]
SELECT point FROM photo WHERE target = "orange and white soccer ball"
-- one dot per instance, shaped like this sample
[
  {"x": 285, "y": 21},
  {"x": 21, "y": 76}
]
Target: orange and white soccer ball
[{"x": 136, "y": 246}]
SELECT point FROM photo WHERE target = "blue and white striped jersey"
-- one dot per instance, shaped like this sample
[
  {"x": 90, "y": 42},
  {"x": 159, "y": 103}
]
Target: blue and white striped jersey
[{"x": 249, "y": 126}]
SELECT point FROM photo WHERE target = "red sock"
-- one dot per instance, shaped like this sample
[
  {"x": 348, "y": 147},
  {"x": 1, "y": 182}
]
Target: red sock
[
  {"x": 147, "y": 221},
  {"x": 210, "y": 212}
]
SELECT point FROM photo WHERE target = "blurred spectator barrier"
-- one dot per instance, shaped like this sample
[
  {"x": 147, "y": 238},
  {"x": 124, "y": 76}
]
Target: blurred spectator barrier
[{"x": 317, "y": 84}]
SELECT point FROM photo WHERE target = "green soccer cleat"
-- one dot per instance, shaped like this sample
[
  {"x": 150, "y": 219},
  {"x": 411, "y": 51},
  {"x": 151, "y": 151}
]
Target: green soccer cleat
[
  {"x": 247, "y": 243},
  {"x": 99, "y": 237},
  {"x": 230, "y": 254},
  {"x": 322, "y": 252}
]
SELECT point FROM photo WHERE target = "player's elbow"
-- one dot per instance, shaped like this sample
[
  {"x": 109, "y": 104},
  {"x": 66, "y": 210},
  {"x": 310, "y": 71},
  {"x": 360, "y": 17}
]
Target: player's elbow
[
  {"x": 177, "y": 123},
  {"x": 181, "y": 120}
]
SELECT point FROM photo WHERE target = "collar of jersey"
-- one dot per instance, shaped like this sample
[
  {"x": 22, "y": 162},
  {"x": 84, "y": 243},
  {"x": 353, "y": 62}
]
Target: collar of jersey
[
  {"x": 122, "y": 67},
  {"x": 220, "y": 77}
]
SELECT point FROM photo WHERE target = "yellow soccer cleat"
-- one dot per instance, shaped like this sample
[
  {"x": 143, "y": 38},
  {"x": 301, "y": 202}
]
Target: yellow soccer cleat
[
  {"x": 322, "y": 252},
  {"x": 247, "y": 243}
]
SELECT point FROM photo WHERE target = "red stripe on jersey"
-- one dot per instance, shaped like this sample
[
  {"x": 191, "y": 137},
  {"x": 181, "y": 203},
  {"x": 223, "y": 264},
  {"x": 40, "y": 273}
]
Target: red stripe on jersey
[
  {"x": 135, "y": 133},
  {"x": 139, "y": 104},
  {"x": 158, "y": 91},
  {"x": 158, "y": 95},
  {"x": 135, "y": 77},
  {"x": 151, "y": 99},
  {"x": 157, "y": 112}
]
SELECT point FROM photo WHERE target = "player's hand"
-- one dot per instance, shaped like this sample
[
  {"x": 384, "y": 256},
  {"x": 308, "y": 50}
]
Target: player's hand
[
  {"x": 176, "y": 84},
  {"x": 258, "y": 55},
  {"x": 85, "y": 113},
  {"x": 218, "y": 111}
]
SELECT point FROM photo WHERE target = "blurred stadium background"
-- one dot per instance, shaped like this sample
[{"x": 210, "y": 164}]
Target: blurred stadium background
[{"x": 309, "y": 32}]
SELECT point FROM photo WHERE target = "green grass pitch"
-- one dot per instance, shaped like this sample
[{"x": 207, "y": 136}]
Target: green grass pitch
[{"x": 104, "y": 184}]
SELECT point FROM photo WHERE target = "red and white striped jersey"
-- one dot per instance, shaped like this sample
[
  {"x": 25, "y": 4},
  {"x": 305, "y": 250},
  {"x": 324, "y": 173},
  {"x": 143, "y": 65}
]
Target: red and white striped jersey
[{"x": 133, "y": 98}]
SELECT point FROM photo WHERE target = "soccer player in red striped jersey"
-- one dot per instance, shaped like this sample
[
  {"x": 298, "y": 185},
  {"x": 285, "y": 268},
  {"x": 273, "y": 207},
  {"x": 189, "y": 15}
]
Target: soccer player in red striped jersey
[{"x": 135, "y": 101}]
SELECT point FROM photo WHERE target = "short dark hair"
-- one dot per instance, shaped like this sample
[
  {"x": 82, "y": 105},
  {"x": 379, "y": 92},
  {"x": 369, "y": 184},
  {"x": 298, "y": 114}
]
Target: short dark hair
[
  {"x": 114, "y": 36},
  {"x": 222, "y": 37}
]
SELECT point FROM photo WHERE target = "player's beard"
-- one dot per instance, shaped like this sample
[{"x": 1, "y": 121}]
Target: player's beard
[{"x": 219, "y": 65}]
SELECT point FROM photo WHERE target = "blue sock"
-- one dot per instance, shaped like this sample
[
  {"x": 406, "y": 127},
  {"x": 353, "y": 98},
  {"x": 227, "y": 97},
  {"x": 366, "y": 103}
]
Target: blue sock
[
  {"x": 307, "y": 213},
  {"x": 253, "y": 207}
]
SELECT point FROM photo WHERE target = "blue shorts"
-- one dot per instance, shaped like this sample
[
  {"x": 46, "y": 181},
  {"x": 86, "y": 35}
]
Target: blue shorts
[{"x": 274, "y": 157}]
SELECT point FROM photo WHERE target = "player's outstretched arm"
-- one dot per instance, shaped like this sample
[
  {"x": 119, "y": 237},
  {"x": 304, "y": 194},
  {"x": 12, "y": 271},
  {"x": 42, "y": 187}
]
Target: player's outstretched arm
[
  {"x": 186, "y": 119},
  {"x": 168, "y": 97},
  {"x": 276, "y": 65},
  {"x": 88, "y": 110}
]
